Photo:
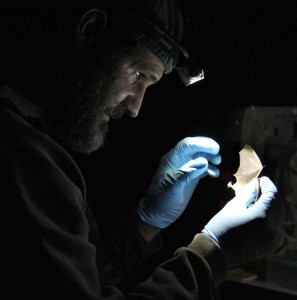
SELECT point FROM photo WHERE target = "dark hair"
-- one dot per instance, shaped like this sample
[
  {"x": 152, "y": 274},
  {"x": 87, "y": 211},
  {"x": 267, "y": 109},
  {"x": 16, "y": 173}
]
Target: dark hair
[
  {"x": 33, "y": 26},
  {"x": 156, "y": 24}
]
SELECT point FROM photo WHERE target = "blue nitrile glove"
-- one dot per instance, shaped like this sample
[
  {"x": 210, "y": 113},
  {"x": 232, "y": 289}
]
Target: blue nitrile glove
[
  {"x": 176, "y": 178},
  {"x": 245, "y": 233}
]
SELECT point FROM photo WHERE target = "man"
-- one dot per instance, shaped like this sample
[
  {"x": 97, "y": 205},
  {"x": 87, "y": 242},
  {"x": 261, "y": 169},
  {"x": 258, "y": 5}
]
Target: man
[{"x": 68, "y": 70}]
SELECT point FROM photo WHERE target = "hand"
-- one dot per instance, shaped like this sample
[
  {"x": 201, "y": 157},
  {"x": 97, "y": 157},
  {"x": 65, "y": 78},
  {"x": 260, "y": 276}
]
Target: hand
[
  {"x": 245, "y": 233},
  {"x": 176, "y": 178}
]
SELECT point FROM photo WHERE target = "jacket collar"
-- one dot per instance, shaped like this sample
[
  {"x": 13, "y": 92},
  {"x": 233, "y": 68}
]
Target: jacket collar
[{"x": 24, "y": 106}]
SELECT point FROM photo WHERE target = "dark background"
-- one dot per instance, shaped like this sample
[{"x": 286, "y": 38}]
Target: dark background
[{"x": 248, "y": 52}]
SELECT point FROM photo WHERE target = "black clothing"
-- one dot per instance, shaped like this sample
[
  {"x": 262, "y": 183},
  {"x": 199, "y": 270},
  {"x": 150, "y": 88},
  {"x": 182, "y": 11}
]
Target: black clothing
[{"x": 45, "y": 226}]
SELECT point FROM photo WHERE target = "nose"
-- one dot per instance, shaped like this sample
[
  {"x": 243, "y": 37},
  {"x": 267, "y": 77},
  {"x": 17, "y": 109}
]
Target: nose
[{"x": 133, "y": 102}]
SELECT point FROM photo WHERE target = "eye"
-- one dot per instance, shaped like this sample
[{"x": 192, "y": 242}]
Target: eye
[{"x": 138, "y": 75}]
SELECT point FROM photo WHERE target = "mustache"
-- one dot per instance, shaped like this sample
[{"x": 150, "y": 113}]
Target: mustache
[{"x": 116, "y": 112}]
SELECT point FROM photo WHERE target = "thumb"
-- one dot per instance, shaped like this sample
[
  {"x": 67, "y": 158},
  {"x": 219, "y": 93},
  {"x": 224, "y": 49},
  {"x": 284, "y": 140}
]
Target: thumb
[{"x": 194, "y": 169}]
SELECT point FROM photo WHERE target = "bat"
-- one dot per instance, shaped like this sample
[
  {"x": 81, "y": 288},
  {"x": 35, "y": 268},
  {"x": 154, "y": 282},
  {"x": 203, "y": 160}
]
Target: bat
[{"x": 250, "y": 167}]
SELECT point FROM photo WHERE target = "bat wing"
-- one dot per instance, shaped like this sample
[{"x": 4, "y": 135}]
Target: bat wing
[{"x": 250, "y": 167}]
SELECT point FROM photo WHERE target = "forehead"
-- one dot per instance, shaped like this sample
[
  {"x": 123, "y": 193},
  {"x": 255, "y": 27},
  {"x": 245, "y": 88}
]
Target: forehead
[{"x": 143, "y": 58}]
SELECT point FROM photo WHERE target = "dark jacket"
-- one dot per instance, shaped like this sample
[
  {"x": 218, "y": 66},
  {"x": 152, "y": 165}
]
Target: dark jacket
[{"x": 46, "y": 251}]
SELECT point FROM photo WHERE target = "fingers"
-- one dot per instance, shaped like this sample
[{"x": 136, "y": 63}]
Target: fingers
[
  {"x": 249, "y": 192},
  {"x": 192, "y": 145},
  {"x": 187, "y": 153},
  {"x": 200, "y": 164},
  {"x": 213, "y": 171},
  {"x": 268, "y": 191},
  {"x": 199, "y": 167},
  {"x": 267, "y": 186},
  {"x": 214, "y": 159}
]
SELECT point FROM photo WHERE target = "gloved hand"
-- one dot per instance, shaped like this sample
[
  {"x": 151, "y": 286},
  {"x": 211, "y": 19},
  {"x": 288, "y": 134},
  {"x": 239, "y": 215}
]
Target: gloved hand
[
  {"x": 176, "y": 178},
  {"x": 245, "y": 233}
]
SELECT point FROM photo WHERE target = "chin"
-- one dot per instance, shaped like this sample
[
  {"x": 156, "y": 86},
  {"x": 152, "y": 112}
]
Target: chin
[
  {"x": 86, "y": 147},
  {"x": 87, "y": 143}
]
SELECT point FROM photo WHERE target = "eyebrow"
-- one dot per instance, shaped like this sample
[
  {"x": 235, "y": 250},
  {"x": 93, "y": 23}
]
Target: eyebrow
[
  {"x": 151, "y": 74},
  {"x": 153, "y": 77}
]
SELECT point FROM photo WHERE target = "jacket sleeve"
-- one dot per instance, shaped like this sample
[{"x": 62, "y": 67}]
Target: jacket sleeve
[
  {"x": 45, "y": 248},
  {"x": 185, "y": 276},
  {"x": 120, "y": 247}
]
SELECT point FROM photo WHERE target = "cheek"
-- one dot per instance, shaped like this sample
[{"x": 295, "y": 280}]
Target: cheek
[{"x": 118, "y": 92}]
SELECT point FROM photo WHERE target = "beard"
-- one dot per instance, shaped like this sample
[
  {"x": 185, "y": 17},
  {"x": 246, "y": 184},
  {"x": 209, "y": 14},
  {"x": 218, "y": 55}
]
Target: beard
[{"x": 81, "y": 123}]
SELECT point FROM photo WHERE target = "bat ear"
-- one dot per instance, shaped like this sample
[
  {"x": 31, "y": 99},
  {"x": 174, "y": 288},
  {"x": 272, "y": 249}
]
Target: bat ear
[{"x": 92, "y": 23}]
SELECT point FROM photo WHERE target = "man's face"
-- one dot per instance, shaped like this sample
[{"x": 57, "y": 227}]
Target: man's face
[{"x": 105, "y": 93}]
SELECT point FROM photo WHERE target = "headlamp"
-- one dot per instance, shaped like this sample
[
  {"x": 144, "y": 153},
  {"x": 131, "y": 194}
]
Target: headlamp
[{"x": 172, "y": 53}]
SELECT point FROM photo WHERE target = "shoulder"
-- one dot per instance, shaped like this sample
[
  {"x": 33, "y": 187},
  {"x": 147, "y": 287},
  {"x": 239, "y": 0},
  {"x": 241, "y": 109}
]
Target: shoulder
[{"x": 26, "y": 147}]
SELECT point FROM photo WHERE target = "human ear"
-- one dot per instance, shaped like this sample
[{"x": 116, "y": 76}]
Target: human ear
[{"x": 91, "y": 24}]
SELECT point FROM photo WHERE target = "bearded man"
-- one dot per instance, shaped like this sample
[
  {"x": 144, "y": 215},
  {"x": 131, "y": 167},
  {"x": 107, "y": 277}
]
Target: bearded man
[{"x": 68, "y": 69}]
